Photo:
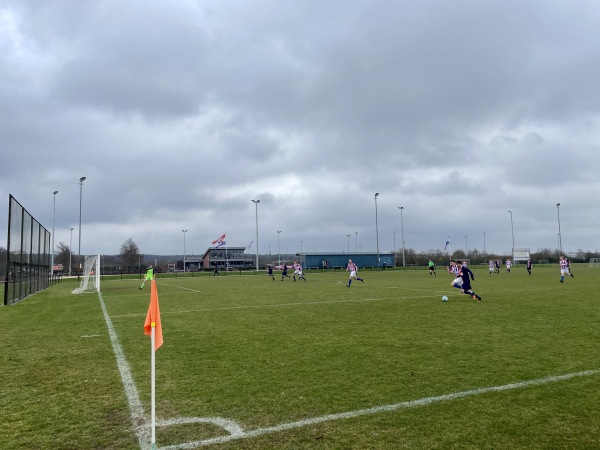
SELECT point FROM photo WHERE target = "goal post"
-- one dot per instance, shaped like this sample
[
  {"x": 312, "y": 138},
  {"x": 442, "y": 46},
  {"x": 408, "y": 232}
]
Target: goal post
[
  {"x": 594, "y": 262},
  {"x": 90, "y": 280}
]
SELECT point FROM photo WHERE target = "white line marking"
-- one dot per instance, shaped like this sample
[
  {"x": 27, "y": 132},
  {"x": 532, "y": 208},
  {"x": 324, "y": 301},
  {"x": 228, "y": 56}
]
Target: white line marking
[
  {"x": 142, "y": 426},
  {"x": 91, "y": 335},
  {"x": 180, "y": 287},
  {"x": 277, "y": 305},
  {"x": 237, "y": 432},
  {"x": 133, "y": 398},
  {"x": 229, "y": 425}
]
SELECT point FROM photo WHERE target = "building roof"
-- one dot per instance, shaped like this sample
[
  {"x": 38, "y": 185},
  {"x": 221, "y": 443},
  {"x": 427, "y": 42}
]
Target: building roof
[{"x": 227, "y": 248}]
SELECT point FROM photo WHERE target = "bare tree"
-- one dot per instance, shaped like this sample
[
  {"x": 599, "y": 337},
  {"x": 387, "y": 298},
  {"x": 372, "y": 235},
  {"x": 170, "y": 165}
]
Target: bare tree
[
  {"x": 130, "y": 254},
  {"x": 62, "y": 255}
]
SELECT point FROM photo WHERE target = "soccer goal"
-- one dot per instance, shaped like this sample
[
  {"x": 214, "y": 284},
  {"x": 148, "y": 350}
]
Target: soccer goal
[
  {"x": 521, "y": 254},
  {"x": 594, "y": 262},
  {"x": 90, "y": 281}
]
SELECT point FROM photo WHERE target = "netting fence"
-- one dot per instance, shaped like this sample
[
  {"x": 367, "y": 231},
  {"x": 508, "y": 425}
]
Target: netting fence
[{"x": 28, "y": 255}]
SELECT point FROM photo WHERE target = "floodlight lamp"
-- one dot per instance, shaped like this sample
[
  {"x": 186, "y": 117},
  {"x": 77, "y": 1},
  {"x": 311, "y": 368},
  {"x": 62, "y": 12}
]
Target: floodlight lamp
[
  {"x": 82, "y": 179},
  {"x": 55, "y": 192},
  {"x": 376, "y": 194}
]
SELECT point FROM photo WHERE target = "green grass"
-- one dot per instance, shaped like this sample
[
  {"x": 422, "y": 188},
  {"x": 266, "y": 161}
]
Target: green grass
[{"x": 263, "y": 353}]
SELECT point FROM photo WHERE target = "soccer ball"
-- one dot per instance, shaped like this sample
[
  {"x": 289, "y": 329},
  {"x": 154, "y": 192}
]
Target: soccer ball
[{"x": 444, "y": 298}]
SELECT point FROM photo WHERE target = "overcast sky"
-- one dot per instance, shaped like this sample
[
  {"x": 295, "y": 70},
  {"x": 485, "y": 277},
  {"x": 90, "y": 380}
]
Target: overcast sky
[{"x": 180, "y": 113}]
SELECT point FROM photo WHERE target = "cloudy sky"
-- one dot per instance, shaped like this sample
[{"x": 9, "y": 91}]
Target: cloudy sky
[{"x": 180, "y": 113}]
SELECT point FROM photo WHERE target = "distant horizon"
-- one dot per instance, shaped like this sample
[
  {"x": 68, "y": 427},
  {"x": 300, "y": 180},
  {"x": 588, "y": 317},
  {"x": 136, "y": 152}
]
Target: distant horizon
[{"x": 553, "y": 251}]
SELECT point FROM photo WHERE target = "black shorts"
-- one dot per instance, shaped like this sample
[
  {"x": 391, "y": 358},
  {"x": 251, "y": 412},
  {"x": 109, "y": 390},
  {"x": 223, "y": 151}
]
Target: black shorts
[{"x": 431, "y": 267}]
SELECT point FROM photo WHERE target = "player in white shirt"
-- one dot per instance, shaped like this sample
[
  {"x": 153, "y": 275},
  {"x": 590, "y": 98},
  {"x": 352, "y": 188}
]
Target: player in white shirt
[
  {"x": 508, "y": 265},
  {"x": 492, "y": 266},
  {"x": 353, "y": 269},
  {"x": 564, "y": 268},
  {"x": 298, "y": 271},
  {"x": 455, "y": 271}
]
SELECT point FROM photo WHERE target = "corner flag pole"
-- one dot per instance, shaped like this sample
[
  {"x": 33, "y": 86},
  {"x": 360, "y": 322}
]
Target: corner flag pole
[
  {"x": 153, "y": 327},
  {"x": 153, "y": 388}
]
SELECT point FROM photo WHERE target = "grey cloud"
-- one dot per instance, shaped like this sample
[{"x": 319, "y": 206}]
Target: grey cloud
[{"x": 185, "y": 112}]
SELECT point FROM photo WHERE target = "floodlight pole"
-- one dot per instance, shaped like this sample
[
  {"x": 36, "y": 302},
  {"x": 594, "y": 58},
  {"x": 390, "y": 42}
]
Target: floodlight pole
[
  {"x": 484, "y": 258},
  {"x": 401, "y": 208},
  {"x": 348, "y": 236},
  {"x": 81, "y": 180},
  {"x": 256, "y": 202},
  {"x": 356, "y": 234},
  {"x": 53, "y": 223},
  {"x": 184, "y": 232},
  {"x": 377, "y": 229},
  {"x": 279, "y": 247},
  {"x": 70, "y": 251},
  {"x": 513, "y": 235},
  {"x": 559, "y": 234}
]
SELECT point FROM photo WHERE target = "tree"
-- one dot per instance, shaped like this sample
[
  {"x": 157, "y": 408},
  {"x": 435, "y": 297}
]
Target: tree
[
  {"x": 3, "y": 257},
  {"x": 63, "y": 252},
  {"x": 130, "y": 255}
]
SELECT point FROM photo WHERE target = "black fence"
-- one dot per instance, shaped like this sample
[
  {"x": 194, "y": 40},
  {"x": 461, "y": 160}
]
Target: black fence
[{"x": 28, "y": 255}]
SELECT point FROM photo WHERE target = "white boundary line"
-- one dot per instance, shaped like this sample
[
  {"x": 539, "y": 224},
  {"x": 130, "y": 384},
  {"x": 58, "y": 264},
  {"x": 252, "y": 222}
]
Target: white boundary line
[
  {"x": 236, "y": 431},
  {"x": 133, "y": 398}
]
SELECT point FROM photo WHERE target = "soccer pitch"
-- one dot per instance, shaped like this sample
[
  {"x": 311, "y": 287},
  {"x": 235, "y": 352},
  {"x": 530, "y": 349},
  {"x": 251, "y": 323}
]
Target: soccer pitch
[{"x": 252, "y": 363}]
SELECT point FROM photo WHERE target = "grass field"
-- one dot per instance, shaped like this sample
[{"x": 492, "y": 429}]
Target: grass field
[{"x": 293, "y": 365}]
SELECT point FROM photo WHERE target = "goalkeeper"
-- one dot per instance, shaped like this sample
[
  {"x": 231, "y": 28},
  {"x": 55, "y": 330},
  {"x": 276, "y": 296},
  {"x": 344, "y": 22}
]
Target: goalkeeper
[{"x": 149, "y": 275}]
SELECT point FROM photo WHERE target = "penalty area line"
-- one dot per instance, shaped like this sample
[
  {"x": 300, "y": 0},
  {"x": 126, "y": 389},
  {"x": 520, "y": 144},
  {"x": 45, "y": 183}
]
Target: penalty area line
[{"x": 238, "y": 433}]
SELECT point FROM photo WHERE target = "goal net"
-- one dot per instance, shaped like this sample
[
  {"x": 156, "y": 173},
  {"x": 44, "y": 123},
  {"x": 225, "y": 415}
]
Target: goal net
[
  {"x": 594, "y": 262},
  {"x": 90, "y": 281},
  {"x": 521, "y": 254}
]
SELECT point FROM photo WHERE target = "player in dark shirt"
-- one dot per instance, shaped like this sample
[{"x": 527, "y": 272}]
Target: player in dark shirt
[
  {"x": 466, "y": 275},
  {"x": 270, "y": 271}
]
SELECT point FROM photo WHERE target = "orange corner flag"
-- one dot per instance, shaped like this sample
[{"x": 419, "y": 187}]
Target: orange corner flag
[{"x": 153, "y": 318}]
